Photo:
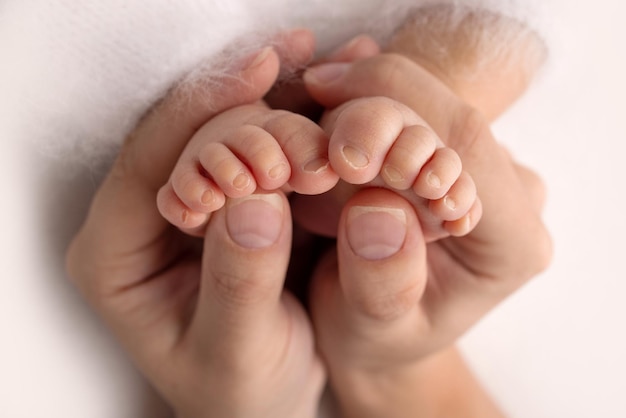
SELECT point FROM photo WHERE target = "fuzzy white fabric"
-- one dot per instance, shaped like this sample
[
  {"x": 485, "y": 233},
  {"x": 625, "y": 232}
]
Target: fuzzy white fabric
[{"x": 85, "y": 71}]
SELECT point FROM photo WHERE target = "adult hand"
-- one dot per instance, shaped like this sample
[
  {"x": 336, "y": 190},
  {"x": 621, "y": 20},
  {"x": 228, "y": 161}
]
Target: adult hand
[
  {"x": 210, "y": 326},
  {"x": 381, "y": 317}
]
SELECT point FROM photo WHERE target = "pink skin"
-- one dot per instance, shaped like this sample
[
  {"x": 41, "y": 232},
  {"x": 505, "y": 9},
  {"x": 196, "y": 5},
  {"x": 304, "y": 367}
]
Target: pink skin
[
  {"x": 424, "y": 297},
  {"x": 212, "y": 328},
  {"x": 370, "y": 142},
  {"x": 377, "y": 141},
  {"x": 238, "y": 152}
]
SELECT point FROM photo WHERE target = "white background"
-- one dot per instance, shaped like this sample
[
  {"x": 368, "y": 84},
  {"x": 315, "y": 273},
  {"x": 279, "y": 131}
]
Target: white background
[
  {"x": 558, "y": 347},
  {"x": 555, "y": 349}
]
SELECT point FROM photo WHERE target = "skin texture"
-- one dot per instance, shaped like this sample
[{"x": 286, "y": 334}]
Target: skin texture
[
  {"x": 253, "y": 147},
  {"x": 375, "y": 334},
  {"x": 212, "y": 327}
]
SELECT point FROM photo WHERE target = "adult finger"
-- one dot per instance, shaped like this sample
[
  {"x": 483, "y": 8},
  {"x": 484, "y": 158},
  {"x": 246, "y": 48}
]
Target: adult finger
[
  {"x": 359, "y": 47},
  {"x": 389, "y": 75},
  {"x": 124, "y": 215},
  {"x": 187, "y": 107},
  {"x": 245, "y": 260},
  {"x": 123, "y": 220},
  {"x": 126, "y": 258},
  {"x": 291, "y": 94},
  {"x": 374, "y": 287}
]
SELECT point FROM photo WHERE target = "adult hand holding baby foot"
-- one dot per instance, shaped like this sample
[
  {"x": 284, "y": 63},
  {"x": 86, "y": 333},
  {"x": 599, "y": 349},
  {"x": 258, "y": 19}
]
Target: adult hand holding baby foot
[
  {"x": 385, "y": 326},
  {"x": 213, "y": 329},
  {"x": 210, "y": 327}
]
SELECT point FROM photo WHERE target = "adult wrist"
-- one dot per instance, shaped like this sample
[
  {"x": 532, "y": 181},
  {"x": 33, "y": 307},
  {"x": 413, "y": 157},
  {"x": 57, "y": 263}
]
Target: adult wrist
[{"x": 438, "y": 385}]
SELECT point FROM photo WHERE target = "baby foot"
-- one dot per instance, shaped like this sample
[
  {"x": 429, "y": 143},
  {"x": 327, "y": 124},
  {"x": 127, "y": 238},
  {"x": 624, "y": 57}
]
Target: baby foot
[
  {"x": 380, "y": 142},
  {"x": 238, "y": 152}
]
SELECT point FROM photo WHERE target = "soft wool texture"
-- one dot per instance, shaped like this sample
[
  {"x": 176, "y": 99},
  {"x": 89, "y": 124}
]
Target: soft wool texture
[{"x": 86, "y": 71}]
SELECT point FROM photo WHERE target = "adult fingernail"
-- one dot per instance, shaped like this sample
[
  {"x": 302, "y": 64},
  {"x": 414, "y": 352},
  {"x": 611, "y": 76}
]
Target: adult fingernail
[
  {"x": 255, "y": 221},
  {"x": 259, "y": 58},
  {"x": 376, "y": 233},
  {"x": 347, "y": 46},
  {"x": 326, "y": 73}
]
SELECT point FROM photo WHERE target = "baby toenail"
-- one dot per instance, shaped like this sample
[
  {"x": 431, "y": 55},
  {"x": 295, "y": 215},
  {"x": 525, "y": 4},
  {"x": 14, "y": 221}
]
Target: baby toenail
[
  {"x": 316, "y": 165},
  {"x": 392, "y": 174},
  {"x": 355, "y": 157},
  {"x": 207, "y": 197},
  {"x": 277, "y": 171},
  {"x": 433, "y": 180},
  {"x": 449, "y": 202},
  {"x": 241, "y": 181}
]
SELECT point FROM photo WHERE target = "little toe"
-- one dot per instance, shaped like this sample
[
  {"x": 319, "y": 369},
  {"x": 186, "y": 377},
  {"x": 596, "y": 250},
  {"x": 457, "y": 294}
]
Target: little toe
[
  {"x": 466, "y": 223},
  {"x": 439, "y": 174},
  {"x": 176, "y": 212},
  {"x": 412, "y": 149},
  {"x": 458, "y": 201},
  {"x": 195, "y": 190}
]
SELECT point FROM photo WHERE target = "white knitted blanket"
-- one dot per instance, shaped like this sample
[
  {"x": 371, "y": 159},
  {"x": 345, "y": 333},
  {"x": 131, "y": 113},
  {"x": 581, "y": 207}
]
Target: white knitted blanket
[{"x": 77, "y": 75}]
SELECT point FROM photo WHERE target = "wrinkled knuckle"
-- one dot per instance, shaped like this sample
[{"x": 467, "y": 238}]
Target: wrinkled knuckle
[
  {"x": 288, "y": 124},
  {"x": 423, "y": 135},
  {"x": 452, "y": 159},
  {"x": 278, "y": 119},
  {"x": 246, "y": 135},
  {"x": 388, "y": 307},
  {"x": 234, "y": 290},
  {"x": 184, "y": 181}
]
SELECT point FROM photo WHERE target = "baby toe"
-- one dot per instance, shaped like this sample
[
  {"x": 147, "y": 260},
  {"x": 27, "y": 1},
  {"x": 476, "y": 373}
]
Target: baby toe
[
  {"x": 227, "y": 171},
  {"x": 305, "y": 146},
  {"x": 439, "y": 174},
  {"x": 176, "y": 212},
  {"x": 262, "y": 154},
  {"x": 458, "y": 201},
  {"x": 196, "y": 191},
  {"x": 466, "y": 223},
  {"x": 411, "y": 150}
]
